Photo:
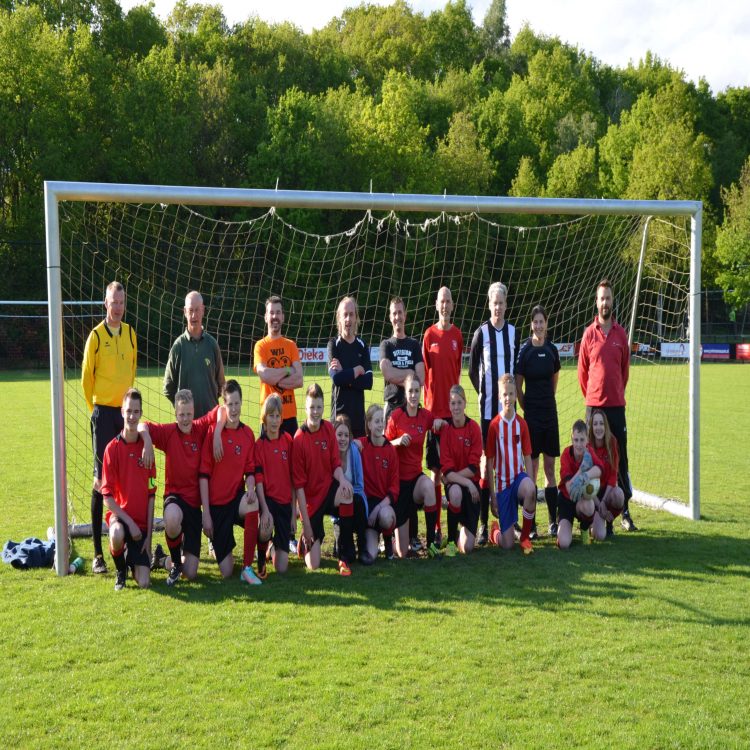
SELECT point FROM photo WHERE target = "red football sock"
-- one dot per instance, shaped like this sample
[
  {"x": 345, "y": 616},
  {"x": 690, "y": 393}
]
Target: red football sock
[
  {"x": 251, "y": 537},
  {"x": 528, "y": 521}
]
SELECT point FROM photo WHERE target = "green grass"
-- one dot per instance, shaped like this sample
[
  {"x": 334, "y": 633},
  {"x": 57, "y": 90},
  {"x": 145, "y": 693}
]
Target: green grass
[{"x": 638, "y": 642}]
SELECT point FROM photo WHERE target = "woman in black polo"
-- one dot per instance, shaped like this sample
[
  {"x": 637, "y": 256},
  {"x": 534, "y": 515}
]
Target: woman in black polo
[{"x": 537, "y": 370}]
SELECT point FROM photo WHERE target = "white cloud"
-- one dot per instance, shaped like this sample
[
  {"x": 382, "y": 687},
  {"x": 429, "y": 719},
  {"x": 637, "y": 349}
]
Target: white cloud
[{"x": 703, "y": 41}]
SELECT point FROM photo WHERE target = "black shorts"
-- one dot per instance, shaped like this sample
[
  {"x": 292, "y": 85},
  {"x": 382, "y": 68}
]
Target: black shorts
[
  {"x": 545, "y": 437},
  {"x": 468, "y": 515},
  {"x": 192, "y": 524},
  {"x": 406, "y": 504},
  {"x": 106, "y": 424},
  {"x": 282, "y": 523},
  {"x": 433, "y": 451},
  {"x": 327, "y": 507},
  {"x": 134, "y": 554},
  {"x": 225, "y": 518},
  {"x": 566, "y": 508}
]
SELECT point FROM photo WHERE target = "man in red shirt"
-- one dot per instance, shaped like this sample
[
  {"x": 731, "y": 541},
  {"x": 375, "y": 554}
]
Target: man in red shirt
[
  {"x": 227, "y": 488},
  {"x": 128, "y": 490},
  {"x": 182, "y": 444},
  {"x": 508, "y": 452},
  {"x": 603, "y": 369},
  {"x": 320, "y": 484},
  {"x": 442, "y": 349}
]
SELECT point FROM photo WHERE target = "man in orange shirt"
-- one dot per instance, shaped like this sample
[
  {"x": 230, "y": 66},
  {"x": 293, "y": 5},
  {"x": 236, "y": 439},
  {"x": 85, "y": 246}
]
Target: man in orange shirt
[{"x": 277, "y": 364}]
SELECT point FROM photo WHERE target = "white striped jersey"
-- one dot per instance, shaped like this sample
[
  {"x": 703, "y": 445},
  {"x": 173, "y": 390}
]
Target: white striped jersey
[
  {"x": 508, "y": 442},
  {"x": 493, "y": 353}
]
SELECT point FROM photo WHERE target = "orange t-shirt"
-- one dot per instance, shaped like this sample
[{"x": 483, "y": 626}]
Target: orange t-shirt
[{"x": 277, "y": 354}]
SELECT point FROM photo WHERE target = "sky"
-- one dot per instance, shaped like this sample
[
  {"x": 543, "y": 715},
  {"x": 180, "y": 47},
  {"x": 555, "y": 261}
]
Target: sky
[{"x": 704, "y": 39}]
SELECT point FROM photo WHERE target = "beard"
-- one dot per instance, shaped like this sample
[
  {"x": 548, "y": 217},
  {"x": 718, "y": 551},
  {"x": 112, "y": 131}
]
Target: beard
[{"x": 605, "y": 313}]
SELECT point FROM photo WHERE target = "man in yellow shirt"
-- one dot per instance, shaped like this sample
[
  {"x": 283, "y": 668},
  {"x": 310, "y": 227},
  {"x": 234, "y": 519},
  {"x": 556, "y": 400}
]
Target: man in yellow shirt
[{"x": 108, "y": 371}]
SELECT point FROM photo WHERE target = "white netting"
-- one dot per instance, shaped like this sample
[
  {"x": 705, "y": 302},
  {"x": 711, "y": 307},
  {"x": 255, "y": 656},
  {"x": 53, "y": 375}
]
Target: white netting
[{"x": 159, "y": 252}]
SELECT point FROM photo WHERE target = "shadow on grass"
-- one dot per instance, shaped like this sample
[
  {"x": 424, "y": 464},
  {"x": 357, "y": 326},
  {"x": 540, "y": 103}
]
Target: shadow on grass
[{"x": 629, "y": 566}]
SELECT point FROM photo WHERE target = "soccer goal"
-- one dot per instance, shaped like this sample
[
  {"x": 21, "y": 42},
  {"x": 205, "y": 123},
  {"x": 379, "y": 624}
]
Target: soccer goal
[{"x": 161, "y": 242}]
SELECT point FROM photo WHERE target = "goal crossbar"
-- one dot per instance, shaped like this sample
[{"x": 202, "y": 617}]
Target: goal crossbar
[{"x": 58, "y": 191}]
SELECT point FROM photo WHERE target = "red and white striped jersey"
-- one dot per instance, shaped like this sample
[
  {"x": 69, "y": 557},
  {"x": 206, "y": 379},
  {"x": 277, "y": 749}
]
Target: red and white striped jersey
[{"x": 508, "y": 442}]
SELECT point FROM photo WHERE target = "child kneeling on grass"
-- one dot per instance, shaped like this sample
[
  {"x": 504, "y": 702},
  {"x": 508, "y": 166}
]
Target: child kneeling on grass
[
  {"x": 508, "y": 449},
  {"x": 273, "y": 483},
  {"x": 128, "y": 489},
  {"x": 320, "y": 484},
  {"x": 578, "y": 466}
]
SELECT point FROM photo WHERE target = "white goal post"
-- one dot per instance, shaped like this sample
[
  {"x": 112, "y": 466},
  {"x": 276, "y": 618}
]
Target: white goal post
[{"x": 57, "y": 192}]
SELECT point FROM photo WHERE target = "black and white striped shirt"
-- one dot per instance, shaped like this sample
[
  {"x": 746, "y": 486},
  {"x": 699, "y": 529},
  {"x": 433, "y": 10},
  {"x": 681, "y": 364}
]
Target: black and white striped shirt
[{"x": 492, "y": 354}]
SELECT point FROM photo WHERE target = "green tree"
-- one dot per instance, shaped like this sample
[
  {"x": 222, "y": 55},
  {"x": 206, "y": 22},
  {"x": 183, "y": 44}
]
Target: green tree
[
  {"x": 526, "y": 184},
  {"x": 451, "y": 39},
  {"x": 574, "y": 175},
  {"x": 464, "y": 166},
  {"x": 733, "y": 241}
]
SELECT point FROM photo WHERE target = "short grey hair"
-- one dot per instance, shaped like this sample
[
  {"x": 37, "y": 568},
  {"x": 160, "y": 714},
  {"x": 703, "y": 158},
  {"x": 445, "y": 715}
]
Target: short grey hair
[{"x": 497, "y": 288}]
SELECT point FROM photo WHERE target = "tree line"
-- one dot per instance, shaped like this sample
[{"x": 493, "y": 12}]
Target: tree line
[{"x": 381, "y": 97}]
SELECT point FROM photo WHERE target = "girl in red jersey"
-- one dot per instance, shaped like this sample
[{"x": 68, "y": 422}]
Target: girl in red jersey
[
  {"x": 273, "y": 483},
  {"x": 380, "y": 469},
  {"x": 460, "y": 457},
  {"x": 610, "y": 499},
  {"x": 407, "y": 430}
]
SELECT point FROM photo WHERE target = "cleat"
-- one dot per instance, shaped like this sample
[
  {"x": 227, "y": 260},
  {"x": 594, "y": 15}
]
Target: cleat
[
  {"x": 533, "y": 534},
  {"x": 292, "y": 546},
  {"x": 248, "y": 576},
  {"x": 174, "y": 575},
  {"x": 157, "y": 561},
  {"x": 610, "y": 529},
  {"x": 495, "y": 534},
  {"x": 433, "y": 551},
  {"x": 627, "y": 522},
  {"x": 585, "y": 536},
  {"x": 415, "y": 544},
  {"x": 99, "y": 565},
  {"x": 262, "y": 571},
  {"x": 344, "y": 568},
  {"x": 527, "y": 547},
  {"x": 552, "y": 530},
  {"x": 482, "y": 535},
  {"x": 451, "y": 550},
  {"x": 120, "y": 578}
]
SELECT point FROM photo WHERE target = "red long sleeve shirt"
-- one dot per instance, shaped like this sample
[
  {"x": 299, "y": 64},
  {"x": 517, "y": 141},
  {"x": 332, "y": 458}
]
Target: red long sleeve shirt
[
  {"x": 315, "y": 456},
  {"x": 380, "y": 469}
]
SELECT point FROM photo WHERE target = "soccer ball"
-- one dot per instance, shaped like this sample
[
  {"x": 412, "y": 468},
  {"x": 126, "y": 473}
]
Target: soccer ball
[{"x": 591, "y": 488}]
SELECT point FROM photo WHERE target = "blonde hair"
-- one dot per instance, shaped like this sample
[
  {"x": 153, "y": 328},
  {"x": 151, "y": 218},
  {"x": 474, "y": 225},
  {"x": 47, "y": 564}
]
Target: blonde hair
[
  {"x": 607, "y": 434},
  {"x": 271, "y": 404},
  {"x": 371, "y": 412},
  {"x": 183, "y": 396}
]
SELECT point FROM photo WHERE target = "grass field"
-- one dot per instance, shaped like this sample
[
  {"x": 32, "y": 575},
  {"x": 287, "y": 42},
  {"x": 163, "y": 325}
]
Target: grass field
[{"x": 641, "y": 641}]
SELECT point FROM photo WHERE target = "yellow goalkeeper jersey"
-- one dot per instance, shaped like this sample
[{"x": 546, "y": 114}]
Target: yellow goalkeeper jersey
[{"x": 109, "y": 363}]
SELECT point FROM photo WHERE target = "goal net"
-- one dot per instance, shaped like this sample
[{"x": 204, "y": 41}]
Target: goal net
[{"x": 162, "y": 250}]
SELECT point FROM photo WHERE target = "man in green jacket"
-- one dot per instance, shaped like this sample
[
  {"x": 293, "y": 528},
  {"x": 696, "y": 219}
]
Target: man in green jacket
[{"x": 195, "y": 361}]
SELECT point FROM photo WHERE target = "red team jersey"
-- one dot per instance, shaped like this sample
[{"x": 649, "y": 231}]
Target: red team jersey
[
  {"x": 125, "y": 479},
  {"x": 409, "y": 456},
  {"x": 441, "y": 352},
  {"x": 182, "y": 453},
  {"x": 609, "y": 471},
  {"x": 507, "y": 443},
  {"x": 380, "y": 469},
  {"x": 569, "y": 467},
  {"x": 461, "y": 448},
  {"x": 315, "y": 457},
  {"x": 225, "y": 479},
  {"x": 273, "y": 467}
]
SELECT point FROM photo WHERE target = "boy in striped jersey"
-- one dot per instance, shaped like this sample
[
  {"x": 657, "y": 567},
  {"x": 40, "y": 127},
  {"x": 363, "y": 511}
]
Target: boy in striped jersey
[{"x": 508, "y": 452}]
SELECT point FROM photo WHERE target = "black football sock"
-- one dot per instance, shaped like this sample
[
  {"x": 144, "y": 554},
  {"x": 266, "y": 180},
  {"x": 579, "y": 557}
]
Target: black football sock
[
  {"x": 484, "y": 505},
  {"x": 452, "y": 525},
  {"x": 97, "y": 506},
  {"x": 550, "y": 497},
  {"x": 430, "y": 518}
]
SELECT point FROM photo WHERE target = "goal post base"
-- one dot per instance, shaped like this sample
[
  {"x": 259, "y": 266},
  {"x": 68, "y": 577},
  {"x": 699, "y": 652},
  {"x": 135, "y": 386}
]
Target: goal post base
[{"x": 656, "y": 502}]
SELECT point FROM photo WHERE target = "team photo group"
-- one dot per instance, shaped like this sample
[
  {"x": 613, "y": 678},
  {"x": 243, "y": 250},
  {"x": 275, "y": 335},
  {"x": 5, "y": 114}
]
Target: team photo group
[{"x": 363, "y": 469}]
